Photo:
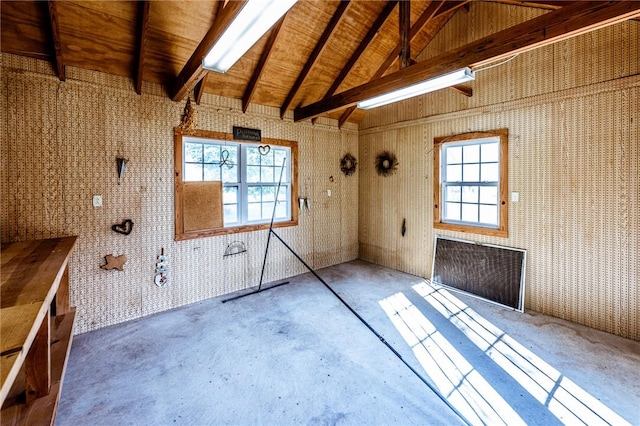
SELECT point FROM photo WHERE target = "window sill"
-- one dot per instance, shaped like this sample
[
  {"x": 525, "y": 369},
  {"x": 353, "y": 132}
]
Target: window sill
[
  {"x": 232, "y": 230},
  {"x": 472, "y": 229}
]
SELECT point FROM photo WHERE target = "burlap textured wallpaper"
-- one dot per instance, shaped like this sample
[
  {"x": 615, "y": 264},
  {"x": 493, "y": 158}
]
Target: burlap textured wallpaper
[
  {"x": 572, "y": 111},
  {"x": 59, "y": 145}
]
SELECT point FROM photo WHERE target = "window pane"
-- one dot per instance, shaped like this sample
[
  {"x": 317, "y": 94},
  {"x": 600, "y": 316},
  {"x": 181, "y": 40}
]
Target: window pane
[
  {"x": 276, "y": 174},
  {"x": 193, "y": 152},
  {"x": 452, "y": 211},
  {"x": 453, "y": 193},
  {"x": 266, "y": 174},
  {"x": 281, "y": 210},
  {"x": 253, "y": 194},
  {"x": 471, "y": 173},
  {"x": 454, "y": 155},
  {"x": 253, "y": 211},
  {"x": 233, "y": 154},
  {"x": 490, "y": 152},
  {"x": 267, "y": 159},
  {"x": 211, "y": 153},
  {"x": 253, "y": 156},
  {"x": 267, "y": 210},
  {"x": 282, "y": 194},
  {"x": 489, "y": 214},
  {"x": 211, "y": 172},
  {"x": 253, "y": 174},
  {"x": 471, "y": 153},
  {"x": 268, "y": 193},
  {"x": 229, "y": 174},
  {"x": 230, "y": 213},
  {"x": 192, "y": 172},
  {"x": 279, "y": 156},
  {"x": 454, "y": 174},
  {"x": 470, "y": 212},
  {"x": 230, "y": 195},
  {"x": 490, "y": 172},
  {"x": 469, "y": 194},
  {"x": 489, "y": 195}
]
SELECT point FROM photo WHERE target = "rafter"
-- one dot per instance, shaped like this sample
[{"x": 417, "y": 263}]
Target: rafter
[
  {"x": 193, "y": 71},
  {"x": 368, "y": 38},
  {"x": 266, "y": 53},
  {"x": 57, "y": 44},
  {"x": 142, "y": 42},
  {"x": 572, "y": 20},
  {"x": 198, "y": 91},
  {"x": 435, "y": 9},
  {"x": 315, "y": 54},
  {"x": 405, "y": 29}
]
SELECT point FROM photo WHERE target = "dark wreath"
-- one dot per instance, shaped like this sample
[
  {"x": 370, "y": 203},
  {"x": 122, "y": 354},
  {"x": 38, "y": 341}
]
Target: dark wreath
[
  {"x": 386, "y": 163},
  {"x": 348, "y": 164}
]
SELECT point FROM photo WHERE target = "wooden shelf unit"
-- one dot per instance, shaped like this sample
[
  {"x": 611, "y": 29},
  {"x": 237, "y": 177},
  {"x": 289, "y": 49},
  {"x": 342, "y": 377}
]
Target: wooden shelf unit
[{"x": 36, "y": 323}]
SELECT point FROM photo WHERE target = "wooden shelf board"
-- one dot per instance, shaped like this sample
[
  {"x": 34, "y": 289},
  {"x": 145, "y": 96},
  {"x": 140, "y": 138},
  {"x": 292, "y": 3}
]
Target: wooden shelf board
[
  {"x": 18, "y": 328},
  {"x": 42, "y": 411}
]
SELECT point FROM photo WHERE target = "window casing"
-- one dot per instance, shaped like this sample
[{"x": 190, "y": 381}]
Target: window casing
[
  {"x": 470, "y": 183},
  {"x": 249, "y": 176}
]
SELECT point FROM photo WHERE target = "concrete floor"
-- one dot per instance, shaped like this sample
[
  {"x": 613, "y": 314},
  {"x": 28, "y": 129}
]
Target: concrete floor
[{"x": 295, "y": 355}]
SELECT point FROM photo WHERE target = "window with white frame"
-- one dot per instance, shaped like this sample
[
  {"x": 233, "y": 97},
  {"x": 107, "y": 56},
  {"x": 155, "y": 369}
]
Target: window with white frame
[
  {"x": 471, "y": 183},
  {"x": 249, "y": 174}
]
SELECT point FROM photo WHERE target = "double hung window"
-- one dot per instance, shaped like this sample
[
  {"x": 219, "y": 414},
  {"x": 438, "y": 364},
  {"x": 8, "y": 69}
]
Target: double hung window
[
  {"x": 250, "y": 173},
  {"x": 471, "y": 183}
]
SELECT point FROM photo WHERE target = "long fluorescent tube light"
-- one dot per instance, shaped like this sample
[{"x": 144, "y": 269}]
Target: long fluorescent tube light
[
  {"x": 431, "y": 85},
  {"x": 251, "y": 23}
]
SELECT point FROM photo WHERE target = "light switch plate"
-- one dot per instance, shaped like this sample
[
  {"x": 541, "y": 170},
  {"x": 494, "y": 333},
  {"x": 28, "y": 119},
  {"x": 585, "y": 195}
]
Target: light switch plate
[
  {"x": 515, "y": 197},
  {"x": 97, "y": 201}
]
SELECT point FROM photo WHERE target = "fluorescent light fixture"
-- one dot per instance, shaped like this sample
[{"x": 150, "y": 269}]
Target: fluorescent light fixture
[
  {"x": 431, "y": 85},
  {"x": 255, "y": 19}
]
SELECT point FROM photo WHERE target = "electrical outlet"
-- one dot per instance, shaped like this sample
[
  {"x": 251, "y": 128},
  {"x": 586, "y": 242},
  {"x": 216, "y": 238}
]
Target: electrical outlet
[
  {"x": 328, "y": 193},
  {"x": 97, "y": 201}
]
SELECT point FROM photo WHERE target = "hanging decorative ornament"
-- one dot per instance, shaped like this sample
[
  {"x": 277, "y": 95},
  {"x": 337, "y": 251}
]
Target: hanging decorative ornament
[
  {"x": 188, "y": 122},
  {"x": 348, "y": 164},
  {"x": 386, "y": 163}
]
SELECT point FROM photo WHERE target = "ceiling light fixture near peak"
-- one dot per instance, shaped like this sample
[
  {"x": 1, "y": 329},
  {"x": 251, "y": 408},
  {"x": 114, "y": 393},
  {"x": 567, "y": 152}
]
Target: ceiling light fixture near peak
[
  {"x": 430, "y": 85},
  {"x": 251, "y": 23}
]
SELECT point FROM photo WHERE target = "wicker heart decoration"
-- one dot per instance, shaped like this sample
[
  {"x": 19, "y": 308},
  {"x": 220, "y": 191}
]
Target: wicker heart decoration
[{"x": 264, "y": 149}]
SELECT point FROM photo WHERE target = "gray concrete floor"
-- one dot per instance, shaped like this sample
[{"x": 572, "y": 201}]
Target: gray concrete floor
[{"x": 295, "y": 355}]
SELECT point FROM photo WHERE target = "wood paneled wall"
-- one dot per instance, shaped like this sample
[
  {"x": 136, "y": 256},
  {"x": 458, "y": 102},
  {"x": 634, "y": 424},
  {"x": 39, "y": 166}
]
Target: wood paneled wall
[
  {"x": 572, "y": 111},
  {"x": 59, "y": 145}
]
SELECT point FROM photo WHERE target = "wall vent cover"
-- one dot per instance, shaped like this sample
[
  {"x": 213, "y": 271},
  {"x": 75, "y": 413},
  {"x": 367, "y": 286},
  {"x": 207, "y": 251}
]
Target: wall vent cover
[{"x": 490, "y": 272}]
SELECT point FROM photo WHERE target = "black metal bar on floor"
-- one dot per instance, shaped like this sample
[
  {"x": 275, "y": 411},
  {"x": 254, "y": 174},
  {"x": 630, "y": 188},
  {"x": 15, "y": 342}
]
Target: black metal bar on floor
[
  {"x": 254, "y": 292},
  {"x": 373, "y": 330}
]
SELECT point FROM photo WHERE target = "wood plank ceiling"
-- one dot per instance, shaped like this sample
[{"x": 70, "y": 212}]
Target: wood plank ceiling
[{"x": 318, "y": 60}]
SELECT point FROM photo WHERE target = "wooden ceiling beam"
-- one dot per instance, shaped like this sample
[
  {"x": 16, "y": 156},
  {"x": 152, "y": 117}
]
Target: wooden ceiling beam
[
  {"x": 315, "y": 54},
  {"x": 192, "y": 72},
  {"x": 366, "y": 41},
  {"x": 405, "y": 28},
  {"x": 435, "y": 9},
  {"x": 198, "y": 91},
  {"x": 142, "y": 42},
  {"x": 569, "y": 21},
  {"x": 57, "y": 44},
  {"x": 266, "y": 53}
]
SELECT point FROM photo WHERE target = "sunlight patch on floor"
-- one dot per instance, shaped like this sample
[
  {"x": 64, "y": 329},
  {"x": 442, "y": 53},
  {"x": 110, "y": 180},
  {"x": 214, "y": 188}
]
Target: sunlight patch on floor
[
  {"x": 452, "y": 374},
  {"x": 567, "y": 401}
]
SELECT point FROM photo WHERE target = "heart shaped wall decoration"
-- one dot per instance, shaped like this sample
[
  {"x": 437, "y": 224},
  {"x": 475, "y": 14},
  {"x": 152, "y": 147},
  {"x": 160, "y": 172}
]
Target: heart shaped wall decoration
[
  {"x": 124, "y": 228},
  {"x": 264, "y": 149}
]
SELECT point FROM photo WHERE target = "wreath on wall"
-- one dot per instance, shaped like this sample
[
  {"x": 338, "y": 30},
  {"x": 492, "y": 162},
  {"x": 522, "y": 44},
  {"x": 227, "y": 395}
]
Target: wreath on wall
[
  {"x": 348, "y": 164},
  {"x": 386, "y": 163}
]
